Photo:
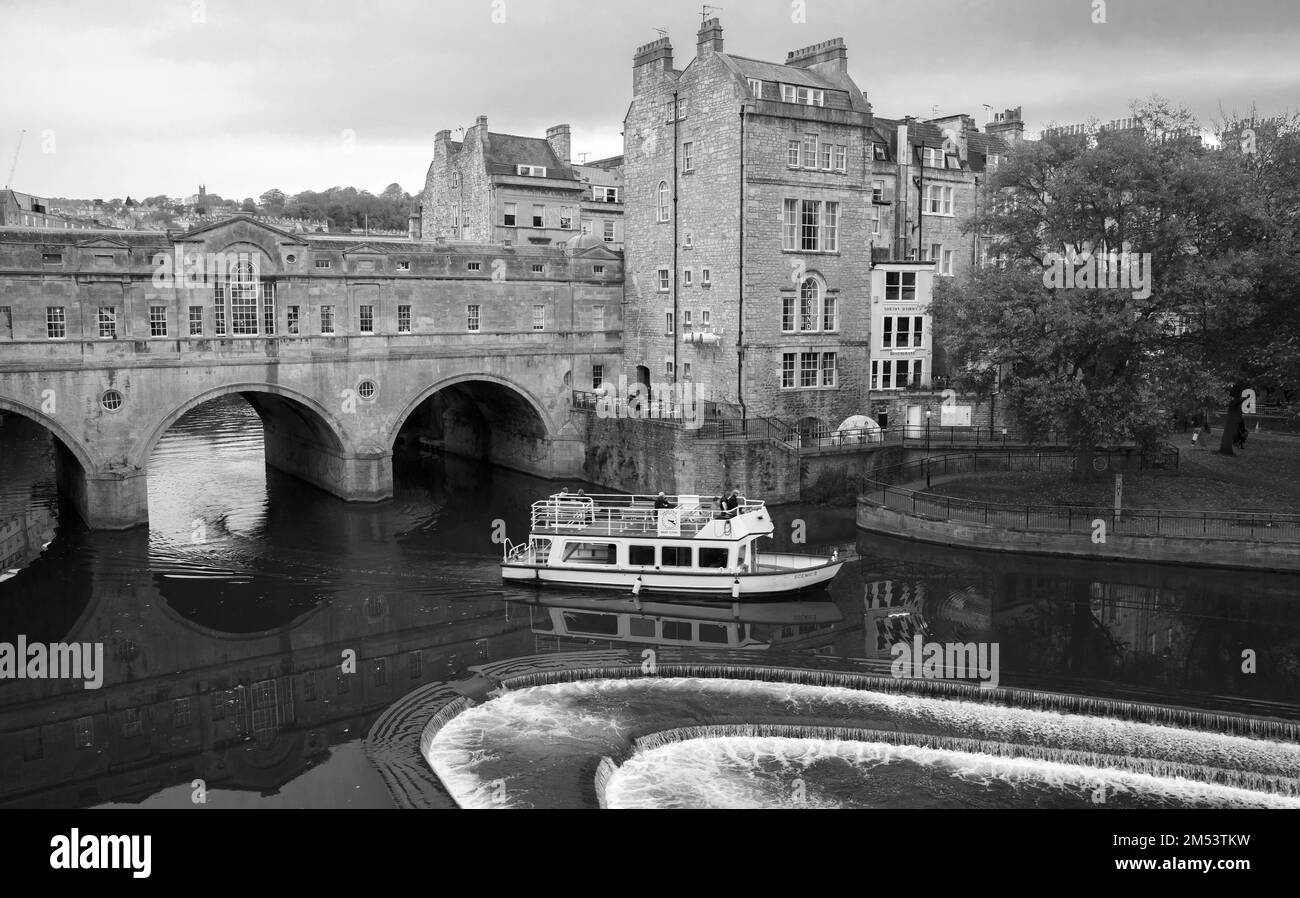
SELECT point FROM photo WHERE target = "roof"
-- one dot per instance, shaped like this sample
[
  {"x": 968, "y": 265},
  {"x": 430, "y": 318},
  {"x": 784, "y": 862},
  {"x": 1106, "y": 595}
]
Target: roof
[
  {"x": 786, "y": 74},
  {"x": 506, "y": 151}
]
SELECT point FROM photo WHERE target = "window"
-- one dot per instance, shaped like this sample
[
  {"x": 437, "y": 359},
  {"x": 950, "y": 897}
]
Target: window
[
  {"x": 688, "y": 162},
  {"x": 668, "y": 323},
  {"x": 590, "y": 553},
  {"x": 403, "y": 265},
  {"x": 841, "y": 158},
  {"x": 787, "y": 312},
  {"x": 809, "y": 297},
  {"x": 681, "y": 107},
  {"x": 813, "y": 369},
  {"x": 828, "y": 156},
  {"x": 539, "y": 215},
  {"x": 668, "y": 368},
  {"x": 322, "y": 263},
  {"x": 609, "y": 232},
  {"x": 473, "y": 266},
  {"x": 531, "y": 171},
  {"x": 661, "y": 202},
  {"x": 938, "y": 200},
  {"x": 597, "y": 376},
  {"x": 455, "y": 180},
  {"x": 810, "y": 151},
  {"x": 792, "y": 153},
  {"x": 756, "y": 86},
  {"x": 805, "y": 96},
  {"x": 56, "y": 322},
  {"x": 539, "y": 317},
  {"x": 512, "y": 210},
  {"x": 829, "y": 322},
  {"x": 663, "y": 280},
  {"x": 895, "y": 374},
  {"x": 367, "y": 319},
  {"x": 381, "y": 671},
  {"x": 811, "y": 226},
  {"x": 643, "y": 556},
  {"x": 243, "y": 291},
  {"x": 472, "y": 318},
  {"x": 51, "y": 258},
  {"x": 828, "y": 369},
  {"x": 945, "y": 263},
  {"x": 602, "y": 194},
  {"x": 268, "y": 307},
  {"x": 598, "y": 269},
  {"x": 706, "y": 318},
  {"x": 932, "y": 157},
  {"x": 686, "y": 319},
  {"x": 585, "y": 226},
  {"x": 878, "y": 152},
  {"x": 686, "y": 370},
  {"x": 403, "y": 319},
  {"x": 598, "y": 318},
  {"x": 180, "y": 712},
  {"x": 677, "y": 556},
  {"x": 877, "y": 191},
  {"x": 291, "y": 319},
  {"x": 902, "y": 332},
  {"x": 706, "y": 277},
  {"x": 157, "y": 321},
  {"x": 538, "y": 269},
  {"x": 327, "y": 319},
  {"x": 566, "y": 218},
  {"x": 196, "y": 321},
  {"x": 219, "y": 308},
  {"x": 687, "y": 277},
  {"x": 689, "y": 241},
  {"x": 808, "y": 368},
  {"x": 900, "y": 286},
  {"x": 874, "y": 215},
  {"x": 108, "y": 321}
]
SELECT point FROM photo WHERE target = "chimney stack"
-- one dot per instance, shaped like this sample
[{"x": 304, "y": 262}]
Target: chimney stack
[
  {"x": 828, "y": 57},
  {"x": 413, "y": 229},
  {"x": 558, "y": 137},
  {"x": 654, "y": 58},
  {"x": 710, "y": 37}
]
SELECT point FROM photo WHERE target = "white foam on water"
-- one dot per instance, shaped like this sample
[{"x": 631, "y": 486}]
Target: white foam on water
[
  {"x": 493, "y": 755},
  {"x": 734, "y": 772}
]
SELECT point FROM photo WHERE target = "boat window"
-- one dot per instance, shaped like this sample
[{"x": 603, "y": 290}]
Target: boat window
[
  {"x": 590, "y": 553},
  {"x": 641, "y": 555},
  {"x": 541, "y": 618},
  {"x": 677, "y": 556},
  {"x": 591, "y": 623},
  {"x": 713, "y": 557},
  {"x": 713, "y": 633},
  {"x": 541, "y": 549},
  {"x": 641, "y": 626},
  {"x": 677, "y": 629}
]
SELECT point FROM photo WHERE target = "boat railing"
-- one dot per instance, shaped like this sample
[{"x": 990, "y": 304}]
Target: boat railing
[{"x": 632, "y": 513}]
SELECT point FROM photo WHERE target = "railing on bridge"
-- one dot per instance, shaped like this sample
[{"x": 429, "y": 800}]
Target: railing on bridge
[
  {"x": 884, "y": 488},
  {"x": 921, "y": 436},
  {"x": 717, "y": 420}
]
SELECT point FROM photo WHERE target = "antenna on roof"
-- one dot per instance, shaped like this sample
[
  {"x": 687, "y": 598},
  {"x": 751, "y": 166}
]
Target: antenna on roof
[
  {"x": 582, "y": 158},
  {"x": 707, "y": 11},
  {"x": 934, "y": 112},
  {"x": 662, "y": 32}
]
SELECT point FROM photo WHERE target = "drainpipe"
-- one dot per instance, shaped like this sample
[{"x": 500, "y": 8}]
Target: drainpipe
[
  {"x": 677, "y": 323},
  {"x": 740, "y": 312}
]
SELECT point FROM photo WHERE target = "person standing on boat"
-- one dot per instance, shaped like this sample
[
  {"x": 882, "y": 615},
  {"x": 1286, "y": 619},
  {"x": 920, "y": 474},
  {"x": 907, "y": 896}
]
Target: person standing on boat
[
  {"x": 661, "y": 501},
  {"x": 730, "y": 503}
]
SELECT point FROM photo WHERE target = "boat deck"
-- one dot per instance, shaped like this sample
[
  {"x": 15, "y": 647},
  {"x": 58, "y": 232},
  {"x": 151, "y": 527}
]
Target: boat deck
[{"x": 635, "y": 515}]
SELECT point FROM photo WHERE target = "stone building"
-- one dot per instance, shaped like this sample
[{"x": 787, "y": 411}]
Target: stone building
[
  {"x": 498, "y": 188},
  {"x": 22, "y": 210},
  {"x": 748, "y": 268}
]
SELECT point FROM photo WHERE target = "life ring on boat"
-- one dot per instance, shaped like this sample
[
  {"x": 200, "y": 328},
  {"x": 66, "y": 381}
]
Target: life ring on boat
[
  {"x": 726, "y": 528},
  {"x": 735, "y": 588}
]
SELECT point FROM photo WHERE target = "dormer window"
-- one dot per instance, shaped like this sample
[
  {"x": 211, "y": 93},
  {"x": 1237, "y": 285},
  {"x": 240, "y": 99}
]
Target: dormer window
[
  {"x": 878, "y": 152},
  {"x": 804, "y": 96},
  {"x": 531, "y": 171},
  {"x": 756, "y": 85},
  {"x": 604, "y": 194},
  {"x": 932, "y": 157}
]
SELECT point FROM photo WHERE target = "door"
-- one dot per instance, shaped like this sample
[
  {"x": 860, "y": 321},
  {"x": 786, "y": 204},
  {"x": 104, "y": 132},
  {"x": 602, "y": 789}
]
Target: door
[{"x": 915, "y": 429}]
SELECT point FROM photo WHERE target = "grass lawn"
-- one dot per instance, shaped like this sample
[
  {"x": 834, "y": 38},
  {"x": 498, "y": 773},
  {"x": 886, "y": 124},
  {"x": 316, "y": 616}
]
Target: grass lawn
[{"x": 1265, "y": 476}]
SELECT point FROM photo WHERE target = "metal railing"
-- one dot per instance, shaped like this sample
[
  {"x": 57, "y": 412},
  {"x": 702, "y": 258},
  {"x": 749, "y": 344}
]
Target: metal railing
[
  {"x": 923, "y": 436},
  {"x": 884, "y": 488},
  {"x": 612, "y": 514}
]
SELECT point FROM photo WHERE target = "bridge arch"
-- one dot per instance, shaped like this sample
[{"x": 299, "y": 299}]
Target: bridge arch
[
  {"x": 400, "y": 419},
  {"x": 79, "y": 451}
]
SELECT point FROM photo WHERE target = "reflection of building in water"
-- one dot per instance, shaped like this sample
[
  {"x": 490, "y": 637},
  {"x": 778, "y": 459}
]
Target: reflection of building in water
[
  {"x": 728, "y": 626},
  {"x": 892, "y": 613},
  {"x": 23, "y": 536},
  {"x": 1140, "y": 620}
]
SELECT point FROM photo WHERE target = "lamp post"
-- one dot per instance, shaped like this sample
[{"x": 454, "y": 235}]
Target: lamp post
[
  {"x": 927, "y": 430},
  {"x": 1004, "y": 438}
]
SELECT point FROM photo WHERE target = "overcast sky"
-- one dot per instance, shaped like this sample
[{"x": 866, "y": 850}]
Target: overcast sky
[{"x": 142, "y": 97}]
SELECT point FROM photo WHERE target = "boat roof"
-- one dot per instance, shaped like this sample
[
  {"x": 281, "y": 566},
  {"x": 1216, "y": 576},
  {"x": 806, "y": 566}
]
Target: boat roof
[{"x": 688, "y": 516}]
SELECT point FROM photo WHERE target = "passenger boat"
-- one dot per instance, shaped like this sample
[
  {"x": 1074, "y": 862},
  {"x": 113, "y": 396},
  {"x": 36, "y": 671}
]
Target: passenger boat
[{"x": 624, "y": 542}]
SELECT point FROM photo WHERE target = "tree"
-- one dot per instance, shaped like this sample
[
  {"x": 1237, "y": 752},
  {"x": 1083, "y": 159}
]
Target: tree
[
  {"x": 1126, "y": 252},
  {"x": 273, "y": 201},
  {"x": 249, "y": 205}
]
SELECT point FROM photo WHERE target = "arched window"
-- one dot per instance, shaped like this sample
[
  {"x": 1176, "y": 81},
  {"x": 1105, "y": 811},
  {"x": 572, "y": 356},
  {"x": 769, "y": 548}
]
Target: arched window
[
  {"x": 243, "y": 297},
  {"x": 455, "y": 180},
  {"x": 663, "y": 201},
  {"x": 809, "y": 302}
]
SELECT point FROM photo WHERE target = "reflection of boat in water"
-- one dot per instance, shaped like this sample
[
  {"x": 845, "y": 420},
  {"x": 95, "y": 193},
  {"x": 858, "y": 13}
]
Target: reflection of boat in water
[
  {"x": 711, "y": 625},
  {"x": 625, "y": 542}
]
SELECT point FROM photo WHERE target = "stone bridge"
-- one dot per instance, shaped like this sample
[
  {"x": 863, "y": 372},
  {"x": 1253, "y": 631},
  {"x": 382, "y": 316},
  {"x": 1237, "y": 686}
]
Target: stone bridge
[{"x": 337, "y": 342}]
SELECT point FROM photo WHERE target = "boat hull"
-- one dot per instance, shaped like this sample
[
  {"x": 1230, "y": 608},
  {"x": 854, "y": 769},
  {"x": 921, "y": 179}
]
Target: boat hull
[{"x": 760, "y": 583}]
